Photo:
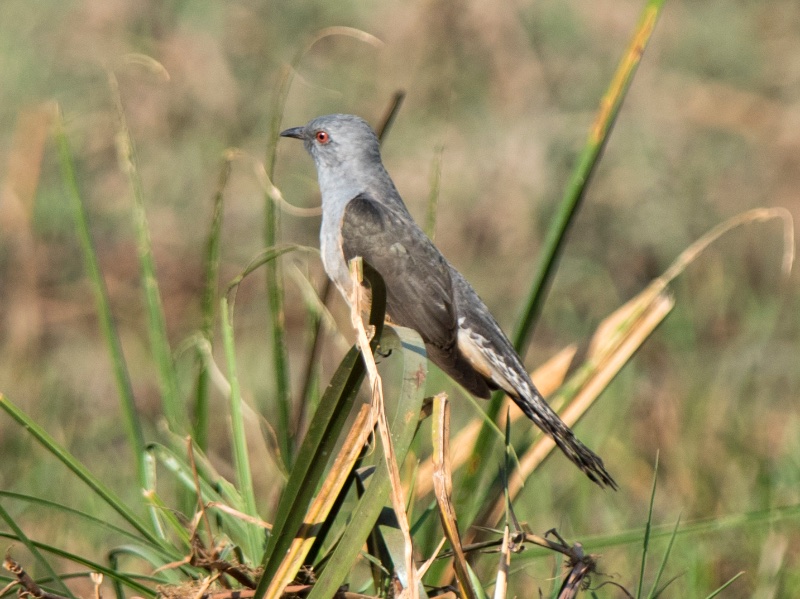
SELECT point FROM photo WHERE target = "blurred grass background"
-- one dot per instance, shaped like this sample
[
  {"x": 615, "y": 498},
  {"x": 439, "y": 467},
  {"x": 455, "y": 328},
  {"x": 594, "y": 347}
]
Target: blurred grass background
[{"x": 710, "y": 127}]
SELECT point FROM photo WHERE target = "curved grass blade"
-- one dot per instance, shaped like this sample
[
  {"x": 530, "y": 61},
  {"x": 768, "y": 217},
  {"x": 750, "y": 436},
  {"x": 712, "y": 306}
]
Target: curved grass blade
[
  {"x": 157, "y": 327},
  {"x": 68, "y": 511},
  {"x": 113, "y": 563},
  {"x": 170, "y": 518},
  {"x": 80, "y": 470},
  {"x": 392, "y": 111},
  {"x": 403, "y": 427},
  {"x": 208, "y": 304},
  {"x": 264, "y": 257},
  {"x": 213, "y": 486},
  {"x": 23, "y": 538},
  {"x": 319, "y": 442},
  {"x": 107, "y": 325},
  {"x": 214, "y": 490}
]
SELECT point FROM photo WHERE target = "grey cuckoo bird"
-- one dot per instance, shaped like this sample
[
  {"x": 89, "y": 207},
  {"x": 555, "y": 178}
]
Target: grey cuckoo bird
[{"x": 363, "y": 215}]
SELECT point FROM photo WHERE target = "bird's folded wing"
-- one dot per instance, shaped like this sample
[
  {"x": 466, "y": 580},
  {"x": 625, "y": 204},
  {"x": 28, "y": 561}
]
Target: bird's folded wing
[{"x": 418, "y": 284}]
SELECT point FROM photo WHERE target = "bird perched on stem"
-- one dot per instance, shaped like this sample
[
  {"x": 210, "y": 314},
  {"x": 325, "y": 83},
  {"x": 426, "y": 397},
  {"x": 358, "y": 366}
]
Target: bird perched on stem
[{"x": 364, "y": 215}]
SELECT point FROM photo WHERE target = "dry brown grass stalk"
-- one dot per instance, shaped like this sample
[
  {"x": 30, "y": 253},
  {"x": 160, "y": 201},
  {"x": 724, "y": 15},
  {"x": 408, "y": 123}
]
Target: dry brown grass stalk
[
  {"x": 443, "y": 490},
  {"x": 357, "y": 302},
  {"x": 501, "y": 582},
  {"x": 321, "y": 506},
  {"x": 610, "y": 352},
  {"x": 549, "y": 376}
]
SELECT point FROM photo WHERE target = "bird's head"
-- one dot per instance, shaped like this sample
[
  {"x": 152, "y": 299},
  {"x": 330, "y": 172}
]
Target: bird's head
[{"x": 342, "y": 145}]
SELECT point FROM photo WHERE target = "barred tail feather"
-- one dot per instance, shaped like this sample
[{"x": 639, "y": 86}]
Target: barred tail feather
[{"x": 584, "y": 458}]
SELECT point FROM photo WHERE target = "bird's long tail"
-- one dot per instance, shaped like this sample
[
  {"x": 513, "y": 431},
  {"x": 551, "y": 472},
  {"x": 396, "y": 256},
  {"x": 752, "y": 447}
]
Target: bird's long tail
[{"x": 536, "y": 408}]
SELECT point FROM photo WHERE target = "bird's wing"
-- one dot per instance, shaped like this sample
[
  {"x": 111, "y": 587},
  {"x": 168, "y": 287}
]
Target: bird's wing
[{"x": 418, "y": 285}]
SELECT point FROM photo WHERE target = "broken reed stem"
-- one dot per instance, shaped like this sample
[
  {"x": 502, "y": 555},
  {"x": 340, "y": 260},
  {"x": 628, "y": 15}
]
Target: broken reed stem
[
  {"x": 443, "y": 489},
  {"x": 357, "y": 300},
  {"x": 501, "y": 584}
]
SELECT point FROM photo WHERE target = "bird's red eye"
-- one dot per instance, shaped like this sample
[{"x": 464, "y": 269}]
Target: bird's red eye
[{"x": 322, "y": 137}]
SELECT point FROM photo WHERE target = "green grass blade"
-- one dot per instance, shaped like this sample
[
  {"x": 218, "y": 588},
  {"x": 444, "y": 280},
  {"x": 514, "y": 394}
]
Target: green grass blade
[
  {"x": 327, "y": 423},
  {"x": 87, "y": 477},
  {"x": 208, "y": 307},
  {"x": 153, "y": 559},
  {"x": 113, "y": 563},
  {"x": 724, "y": 586},
  {"x": 170, "y": 518},
  {"x": 556, "y": 576},
  {"x": 319, "y": 442},
  {"x": 657, "y": 593},
  {"x": 159, "y": 343},
  {"x": 73, "y": 513},
  {"x": 556, "y": 237},
  {"x": 476, "y": 583},
  {"x": 389, "y": 540},
  {"x": 383, "y": 128},
  {"x": 571, "y": 202},
  {"x": 212, "y": 489},
  {"x": 241, "y": 461},
  {"x": 654, "y": 592},
  {"x": 23, "y": 538},
  {"x": 647, "y": 528},
  {"x": 403, "y": 426},
  {"x": 274, "y": 283},
  {"x": 767, "y": 517},
  {"x": 125, "y": 579},
  {"x": 276, "y": 111},
  {"x": 109, "y": 329},
  {"x": 309, "y": 394}
]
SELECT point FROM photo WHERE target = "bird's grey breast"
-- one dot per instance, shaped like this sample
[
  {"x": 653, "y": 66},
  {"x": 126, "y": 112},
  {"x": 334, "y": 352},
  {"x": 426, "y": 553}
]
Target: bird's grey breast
[{"x": 339, "y": 186}]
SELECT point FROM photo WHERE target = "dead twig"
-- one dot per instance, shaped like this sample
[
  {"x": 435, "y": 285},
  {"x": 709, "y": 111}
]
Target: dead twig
[{"x": 28, "y": 584}]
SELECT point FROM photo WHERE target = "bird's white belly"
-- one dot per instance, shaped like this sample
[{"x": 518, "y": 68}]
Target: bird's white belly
[{"x": 330, "y": 245}]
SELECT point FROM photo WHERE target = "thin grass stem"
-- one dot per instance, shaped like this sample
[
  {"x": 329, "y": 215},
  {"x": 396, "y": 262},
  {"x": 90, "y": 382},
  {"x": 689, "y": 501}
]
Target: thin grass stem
[{"x": 121, "y": 374}]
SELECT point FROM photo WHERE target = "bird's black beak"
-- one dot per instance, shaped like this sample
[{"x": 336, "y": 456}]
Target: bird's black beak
[{"x": 296, "y": 132}]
